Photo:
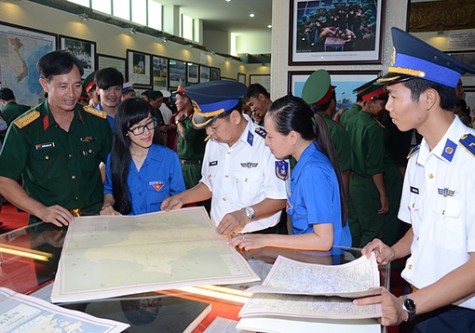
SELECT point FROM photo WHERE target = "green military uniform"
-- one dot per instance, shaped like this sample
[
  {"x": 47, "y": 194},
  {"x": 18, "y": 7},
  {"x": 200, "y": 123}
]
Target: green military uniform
[
  {"x": 346, "y": 116},
  {"x": 12, "y": 110},
  {"x": 340, "y": 140},
  {"x": 191, "y": 150},
  {"x": 369, "y": 156},
  {"x": 59, "y": 167}
]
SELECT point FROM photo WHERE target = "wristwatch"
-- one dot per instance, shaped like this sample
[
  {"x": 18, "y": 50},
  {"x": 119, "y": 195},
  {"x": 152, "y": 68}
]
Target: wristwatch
[
  {"x": 409, "y": 306},
  {"x": 249, "y": 212}
]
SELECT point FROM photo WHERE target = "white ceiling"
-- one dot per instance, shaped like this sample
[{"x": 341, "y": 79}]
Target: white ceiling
[{"x": 230, "y": 16}]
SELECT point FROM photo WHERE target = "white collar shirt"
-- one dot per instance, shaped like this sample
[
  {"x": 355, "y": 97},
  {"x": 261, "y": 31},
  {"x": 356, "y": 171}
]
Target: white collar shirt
[
  {"x": 242, "y": 175},
  {"x": 437, "y": 200}
]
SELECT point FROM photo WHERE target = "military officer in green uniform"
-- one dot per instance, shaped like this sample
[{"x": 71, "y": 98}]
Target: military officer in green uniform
[
  {"x": 320, "y": 94},
  {"x": 191, "y": 142},
  {"x": 10, "y": 108},
  {"x": 375, "y": 182},
  {"x": 57, "y": 148},
  {"x": 346, "y": 115}
]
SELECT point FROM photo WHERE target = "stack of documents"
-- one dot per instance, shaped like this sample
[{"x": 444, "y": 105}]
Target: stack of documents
[{"x": 302, "y": 297}]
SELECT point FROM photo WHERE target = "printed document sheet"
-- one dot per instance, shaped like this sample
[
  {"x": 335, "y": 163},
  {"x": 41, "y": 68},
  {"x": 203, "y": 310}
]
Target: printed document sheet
[{"x": 108, "y": 256}]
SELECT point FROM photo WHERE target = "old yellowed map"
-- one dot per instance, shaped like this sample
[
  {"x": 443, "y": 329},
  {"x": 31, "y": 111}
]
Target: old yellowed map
[{"x": 108, "y": 256}]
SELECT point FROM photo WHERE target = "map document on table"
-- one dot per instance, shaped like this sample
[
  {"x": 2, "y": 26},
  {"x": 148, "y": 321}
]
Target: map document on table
[
  {"x": 20, "y": 313},
  {"x": 109, "y": 256},
  {"x": 303, "y": 290}
]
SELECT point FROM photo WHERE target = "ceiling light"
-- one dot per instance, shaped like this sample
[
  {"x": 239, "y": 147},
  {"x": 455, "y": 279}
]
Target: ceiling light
[
  {"x": 164, "y": 39},
  {"x": 190, "y": 46},
  {"x": 252, "y": 15},
  {"x": 83, "y": 17},
  {"x": 132, "y": 31},
  {"x": 228, "y": 0},
  {"x": 269, "y": 26}
]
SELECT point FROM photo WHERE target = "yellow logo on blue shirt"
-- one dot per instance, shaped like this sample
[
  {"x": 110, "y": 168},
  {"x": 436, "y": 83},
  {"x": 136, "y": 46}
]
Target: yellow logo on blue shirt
[
  {"x": 156, "y": 185},
  {"x": 282, "y": 169}
]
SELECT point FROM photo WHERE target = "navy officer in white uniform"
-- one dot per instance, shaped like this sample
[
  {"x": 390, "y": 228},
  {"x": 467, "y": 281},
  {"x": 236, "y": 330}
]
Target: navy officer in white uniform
[
  {"x": 241, "y": 176},
  {"x": 437, "y": 198}
]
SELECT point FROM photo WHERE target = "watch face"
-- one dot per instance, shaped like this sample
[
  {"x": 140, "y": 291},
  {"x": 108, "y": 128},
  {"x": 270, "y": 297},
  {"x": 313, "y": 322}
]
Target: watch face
[{"x": 409, "y": 304}]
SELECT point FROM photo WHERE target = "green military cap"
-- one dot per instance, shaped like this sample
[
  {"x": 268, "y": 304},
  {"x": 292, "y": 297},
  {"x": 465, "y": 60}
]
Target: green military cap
[
  {"x": 317, "y": 89},
  {"x": 373, "y": 91},
  {"x": 363, "y": 87},
  {"x": 89, "y": 83}
]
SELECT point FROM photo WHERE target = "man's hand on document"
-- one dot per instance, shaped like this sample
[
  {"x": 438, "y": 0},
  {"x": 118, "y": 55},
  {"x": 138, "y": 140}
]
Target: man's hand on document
[
  {"x": 391, "y": 306},
  {"x": 384, "y": 254}
]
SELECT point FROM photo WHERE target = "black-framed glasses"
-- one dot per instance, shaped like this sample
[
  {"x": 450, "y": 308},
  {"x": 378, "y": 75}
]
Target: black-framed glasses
[{"x": 140, "y": 129}]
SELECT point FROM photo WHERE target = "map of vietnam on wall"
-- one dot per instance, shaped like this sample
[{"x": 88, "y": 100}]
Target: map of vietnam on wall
[{"x": 20, "y": 50}]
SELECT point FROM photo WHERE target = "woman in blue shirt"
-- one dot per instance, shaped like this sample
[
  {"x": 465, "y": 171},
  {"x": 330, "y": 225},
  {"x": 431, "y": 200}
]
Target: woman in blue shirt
[
  {"x": 316, "y": 199},
  {"x": 140, "y": 173}
]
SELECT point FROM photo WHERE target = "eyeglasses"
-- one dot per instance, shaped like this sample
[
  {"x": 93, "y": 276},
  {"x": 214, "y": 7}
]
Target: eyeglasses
[{"x": 140, "y": 129}]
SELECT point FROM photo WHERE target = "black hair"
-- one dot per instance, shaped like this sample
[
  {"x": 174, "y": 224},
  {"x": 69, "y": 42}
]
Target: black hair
[
  {"x": 130, "y": 112},
  {"x": 255, "y": 89},
  {"x": 323, "y": 107},
  {"x": 108, "y": 77},
  {"x": 57, "y": 63},
  {"x": 447, "y": 94},
  {"x": 292, "y": 113},
  {"x": 6, "y": 94},
  {"x": 154, "y": 94}
]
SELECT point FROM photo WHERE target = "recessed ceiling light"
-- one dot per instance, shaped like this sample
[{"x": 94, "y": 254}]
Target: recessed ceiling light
[
  {"x": 228, "y": 0},
  {"x": 252, "y": 15},
  {"x": 269, "y": 26}
]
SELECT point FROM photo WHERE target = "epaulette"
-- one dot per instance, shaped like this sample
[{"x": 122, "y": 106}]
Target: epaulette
[
  {"x": 468, "y": 141},
  {"x": 95, "y": 112},
  {"x": 261, "y": 132},
  {"x": 27, "y": 119},
  {"x": 413, "y": 151}
]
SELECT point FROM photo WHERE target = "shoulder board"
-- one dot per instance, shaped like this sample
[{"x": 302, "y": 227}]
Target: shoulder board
[
  {"x": 261, "y": 132},
  {"x": 413, "y": 151},
  {"x": 468, "y": 141},
  {"x": 95, "y": 112},
  {"x": 27, "y": 119}
]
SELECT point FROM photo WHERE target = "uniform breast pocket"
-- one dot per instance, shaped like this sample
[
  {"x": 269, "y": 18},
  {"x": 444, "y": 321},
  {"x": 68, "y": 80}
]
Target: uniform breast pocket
[
  {"x": 449, "y": 227},
  {"x": 247, "y": 183},
  {"x": 45, "y": 163},
  {"x": 88, "y": 151}
]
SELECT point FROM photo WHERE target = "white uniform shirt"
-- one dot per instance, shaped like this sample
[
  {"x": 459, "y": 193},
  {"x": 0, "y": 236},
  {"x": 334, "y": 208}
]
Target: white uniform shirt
[
  {"x": 438, "y": 199},
  {"x": 166, "y": 113},
  {"x": 241, "y": 176}
]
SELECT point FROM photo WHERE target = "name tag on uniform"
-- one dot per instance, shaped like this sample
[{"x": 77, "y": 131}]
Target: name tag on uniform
[
  {"x": 88, "y": 139},
  {"x": 213, "y": 163},
  {"x": 414, "y": 190},
  {"x": 45, "y": 145}
]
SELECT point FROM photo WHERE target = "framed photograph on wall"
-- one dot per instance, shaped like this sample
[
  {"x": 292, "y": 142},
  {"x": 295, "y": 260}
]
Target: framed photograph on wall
[
  {"x": 21, "y": 50},
  {"x": 344, "y": 81},
  {"x": 160, "y": 73},
  {"x": 104, "y": 61},
  {"x": 241, "y": 77},
  {"x": 214, "y": 74},
  {"x": 82, "y": 49},
  {"x": 192, "y": 73},
  {"x": 333, "y": 32},
  {"x": 262, "y": 79},
  {"x": 176, "y": 73},
  {"x": 138, "y": 68},
  {"x": 204, "y": 74}
]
